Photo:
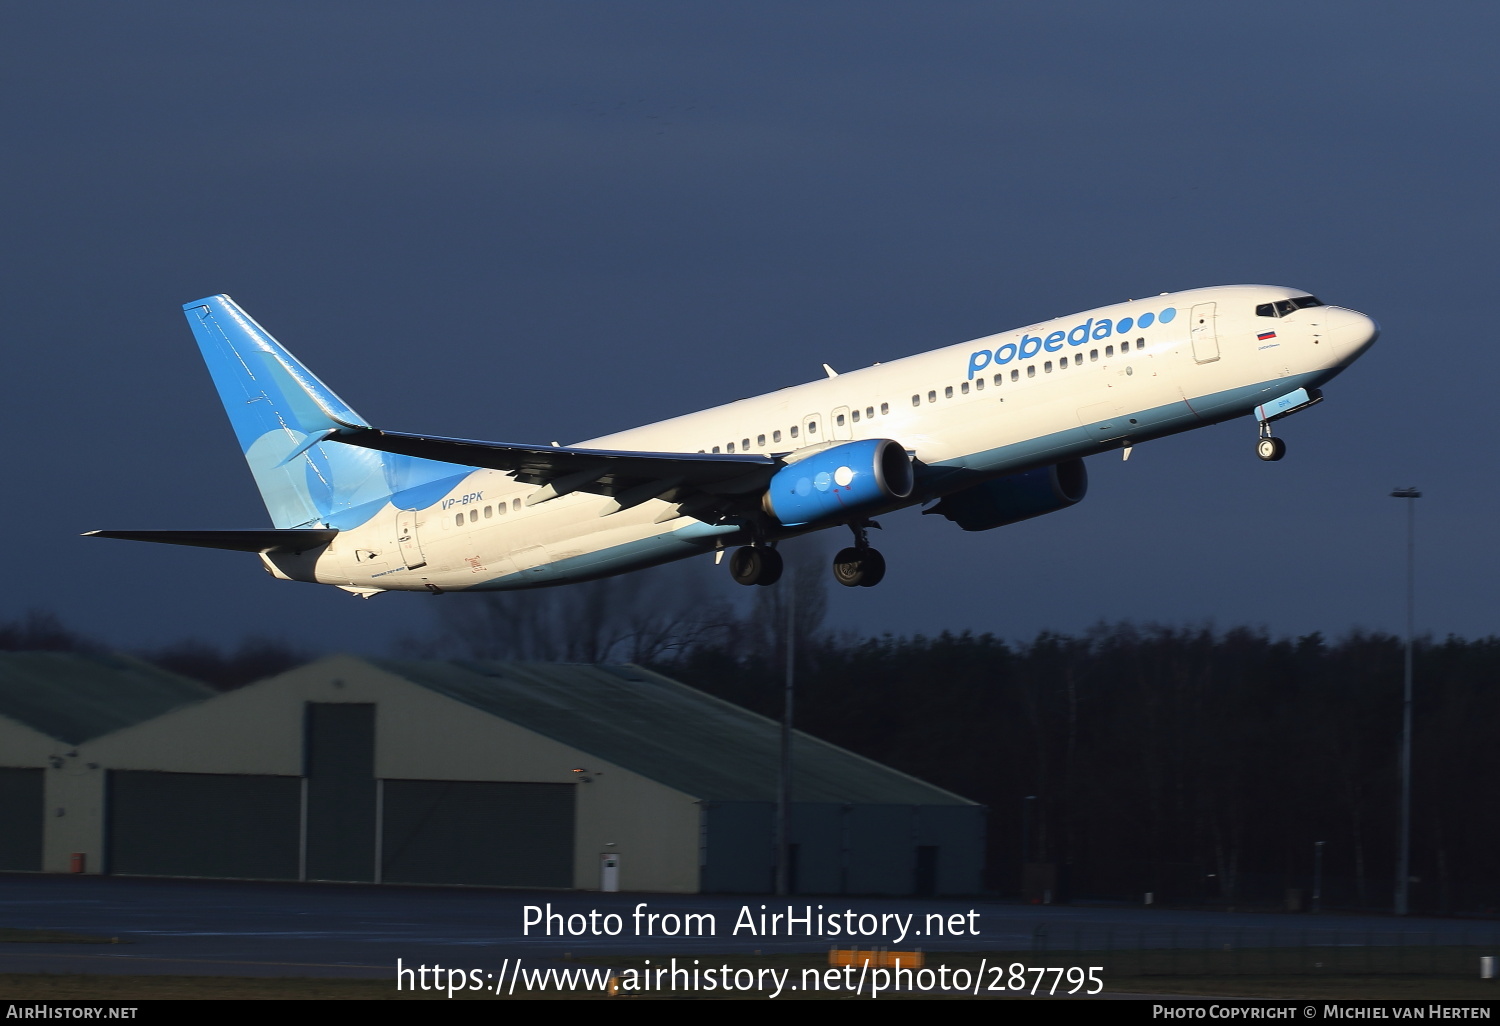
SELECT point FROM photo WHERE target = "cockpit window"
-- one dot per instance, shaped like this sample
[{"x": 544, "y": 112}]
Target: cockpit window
[{"x": 1286, "y": 306}]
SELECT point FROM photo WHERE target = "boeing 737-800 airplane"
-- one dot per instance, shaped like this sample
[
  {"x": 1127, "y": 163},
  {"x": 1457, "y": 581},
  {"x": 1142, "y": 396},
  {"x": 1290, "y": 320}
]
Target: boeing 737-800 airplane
[{"x": 995, "y": 430}]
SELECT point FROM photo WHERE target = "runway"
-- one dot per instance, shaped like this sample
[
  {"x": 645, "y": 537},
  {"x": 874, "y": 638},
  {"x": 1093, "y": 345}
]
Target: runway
[{"x": 219, "y": 928}]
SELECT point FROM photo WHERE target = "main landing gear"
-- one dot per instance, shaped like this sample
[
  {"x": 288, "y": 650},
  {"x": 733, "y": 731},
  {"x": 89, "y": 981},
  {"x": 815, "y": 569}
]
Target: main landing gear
[
  {"x": 756, "y": 564},
  {"x": 1268, "y": 448},
  {"x": 859, "y": 566}
]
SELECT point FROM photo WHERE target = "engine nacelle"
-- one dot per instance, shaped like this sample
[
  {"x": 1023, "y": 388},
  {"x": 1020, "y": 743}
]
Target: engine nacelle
[
  {"x": 839, "y": 482},
  {"x": 1008, "y": 500}
]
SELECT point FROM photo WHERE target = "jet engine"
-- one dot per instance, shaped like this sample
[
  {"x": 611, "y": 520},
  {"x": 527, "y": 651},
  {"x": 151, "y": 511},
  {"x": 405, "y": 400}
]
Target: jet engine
[
  {"x": 1008, "y": 500},
  {"x": 839, "y": 482}
]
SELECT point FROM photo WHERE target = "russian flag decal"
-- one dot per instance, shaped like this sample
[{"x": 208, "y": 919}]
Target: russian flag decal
[{"x": 1265, "y": 335}]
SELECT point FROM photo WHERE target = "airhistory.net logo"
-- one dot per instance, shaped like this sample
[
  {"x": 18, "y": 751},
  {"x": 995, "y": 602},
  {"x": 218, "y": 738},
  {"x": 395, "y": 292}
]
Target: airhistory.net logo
[{"x": 1090, "y": 330}]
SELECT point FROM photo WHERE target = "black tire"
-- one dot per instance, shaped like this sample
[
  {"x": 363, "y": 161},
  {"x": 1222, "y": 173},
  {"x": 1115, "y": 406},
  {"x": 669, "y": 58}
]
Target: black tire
[
  {"x": 874, "y": 569},
  {"x": 771, "y": 565},
  {"x": 849, "y": 567},
  {"x": 1270, "y": 449},
  {"x": 746, "y": 565}
]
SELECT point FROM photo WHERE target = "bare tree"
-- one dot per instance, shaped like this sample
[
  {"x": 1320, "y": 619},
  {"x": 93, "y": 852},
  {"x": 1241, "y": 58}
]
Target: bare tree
[
  {"x": 640, "y": 617},
  {"x": 42, "y": 631}
]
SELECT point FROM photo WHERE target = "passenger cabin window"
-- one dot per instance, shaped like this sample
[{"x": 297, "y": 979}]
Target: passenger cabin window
[
  {"x": 716, "y": 448},
  {"x": 1093, "y": 355},
  {"x": 839, "y": 420},
  {"x": 1062, "y": 363},
  {"x": 812, "y": 427},
  {"x": 729, "y": 447},
  {"x": 745, "y": 445},
  {"x": 948, "y": 392},
  {"x": 1000, "y": 377},
  {"x": 502, "y": 507},
  {"x": 964, "y": 388},
  {"x": 775, "y": 436},
  {"x": 932, "y": 397},
  {"x": 1031, "y": 370},
  {"x": 1049, "y": 366},
  {"x": 760, "y": 440},
  {"x": 515, "y": 504},
  {"x": 1109, "y": 351},
  {"x": 459, "y": 520},
  {"x": 489, "y": 512},
  {"x": 869, "y": 413},
  {"x": 885, "y": 408},
  {"x": 855, "y": 415},
  {"x": 916, "y": 400},
  {"x": 794, "y": 431},
  {"x": 1015, "y": 375},
  {"x": 473, "y": 515}
]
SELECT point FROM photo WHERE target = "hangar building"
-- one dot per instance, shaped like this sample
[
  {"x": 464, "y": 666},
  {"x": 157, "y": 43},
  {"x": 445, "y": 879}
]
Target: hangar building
[
  {"x": 500, "y": 774},
  {"x": 51, "y": 704}
]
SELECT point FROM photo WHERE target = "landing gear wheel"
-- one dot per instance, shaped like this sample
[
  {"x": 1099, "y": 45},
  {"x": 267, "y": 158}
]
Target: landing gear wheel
[
  {"x": 1270, "y": 449},
  {"x": 858, "y": 568},
  {"x": 771, "y": 566},
  {"x": 755, "y": 565}
]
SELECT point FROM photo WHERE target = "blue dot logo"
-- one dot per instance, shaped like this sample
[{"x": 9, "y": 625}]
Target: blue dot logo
[
  {"x": 1146, "y": 320},
  {"x": 822, "y": 481},
  {"x": 1125, "y": 323},
  {"x": 804, "y": 487},
  {"x": 1166, "y": 315}
]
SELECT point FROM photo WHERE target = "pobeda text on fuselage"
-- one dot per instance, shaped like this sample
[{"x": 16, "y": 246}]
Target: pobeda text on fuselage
[
  {"x": 1083, "y": 334},
  {"x": 989, "y": 432}
]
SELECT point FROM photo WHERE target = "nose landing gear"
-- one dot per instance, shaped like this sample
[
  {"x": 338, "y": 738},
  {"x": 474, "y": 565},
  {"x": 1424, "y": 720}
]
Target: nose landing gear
[{"x": 1269, "y": 448}]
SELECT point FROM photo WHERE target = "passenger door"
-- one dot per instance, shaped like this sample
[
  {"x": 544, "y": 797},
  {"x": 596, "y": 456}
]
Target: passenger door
[
  {"x": 406, "y": 539},
  {"x": 1205, "y": 337}
]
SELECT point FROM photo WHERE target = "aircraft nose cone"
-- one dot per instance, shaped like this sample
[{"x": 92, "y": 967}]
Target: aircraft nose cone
[{"x": 1349, "y": 331}]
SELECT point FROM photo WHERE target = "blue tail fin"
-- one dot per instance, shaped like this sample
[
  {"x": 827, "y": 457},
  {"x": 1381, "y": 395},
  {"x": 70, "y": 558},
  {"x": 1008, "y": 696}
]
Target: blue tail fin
[{"x": 281, "y": 413}]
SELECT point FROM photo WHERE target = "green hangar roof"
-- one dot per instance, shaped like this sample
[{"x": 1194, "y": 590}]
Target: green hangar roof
[
  {"x": 666, "y": 731},
  {"x": 74, "y": 698}
]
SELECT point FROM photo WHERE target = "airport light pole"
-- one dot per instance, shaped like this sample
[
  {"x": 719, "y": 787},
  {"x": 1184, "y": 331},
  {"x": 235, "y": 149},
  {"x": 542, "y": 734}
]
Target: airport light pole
[
  {"x": 1403, "y": 857},
  {"x": 784, "y": 770},
  {"x": 1026, "y": 806},
  {"x": 1317, "y": 902}
]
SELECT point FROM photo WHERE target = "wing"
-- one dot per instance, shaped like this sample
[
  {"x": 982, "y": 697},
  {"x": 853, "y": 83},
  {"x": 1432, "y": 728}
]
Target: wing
[{"x": 707, "y": 486}]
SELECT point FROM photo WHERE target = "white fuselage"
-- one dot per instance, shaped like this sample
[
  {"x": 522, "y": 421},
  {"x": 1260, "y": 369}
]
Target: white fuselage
[{"x": 968, "y": 412}]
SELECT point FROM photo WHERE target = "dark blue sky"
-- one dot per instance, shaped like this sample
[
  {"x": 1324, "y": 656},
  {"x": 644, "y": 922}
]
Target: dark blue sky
[{"x": 538, "y": 221}]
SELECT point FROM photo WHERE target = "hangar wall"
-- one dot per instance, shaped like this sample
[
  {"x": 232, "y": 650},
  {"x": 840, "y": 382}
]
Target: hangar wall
[
  {"x": 51, "y": 705},
  {"x": 52, "y": 777},
  {"x": 466, "y": 773},
  {"x": 418, "y": 741}
]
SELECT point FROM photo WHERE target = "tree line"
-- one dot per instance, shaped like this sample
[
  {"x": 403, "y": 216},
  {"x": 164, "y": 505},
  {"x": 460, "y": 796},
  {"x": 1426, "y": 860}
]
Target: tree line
[{"x": 1195, "y": 764}]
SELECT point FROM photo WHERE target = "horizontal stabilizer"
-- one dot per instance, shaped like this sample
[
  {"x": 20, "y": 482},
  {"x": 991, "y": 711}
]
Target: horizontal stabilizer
[{"x": 239, "y": 541}]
